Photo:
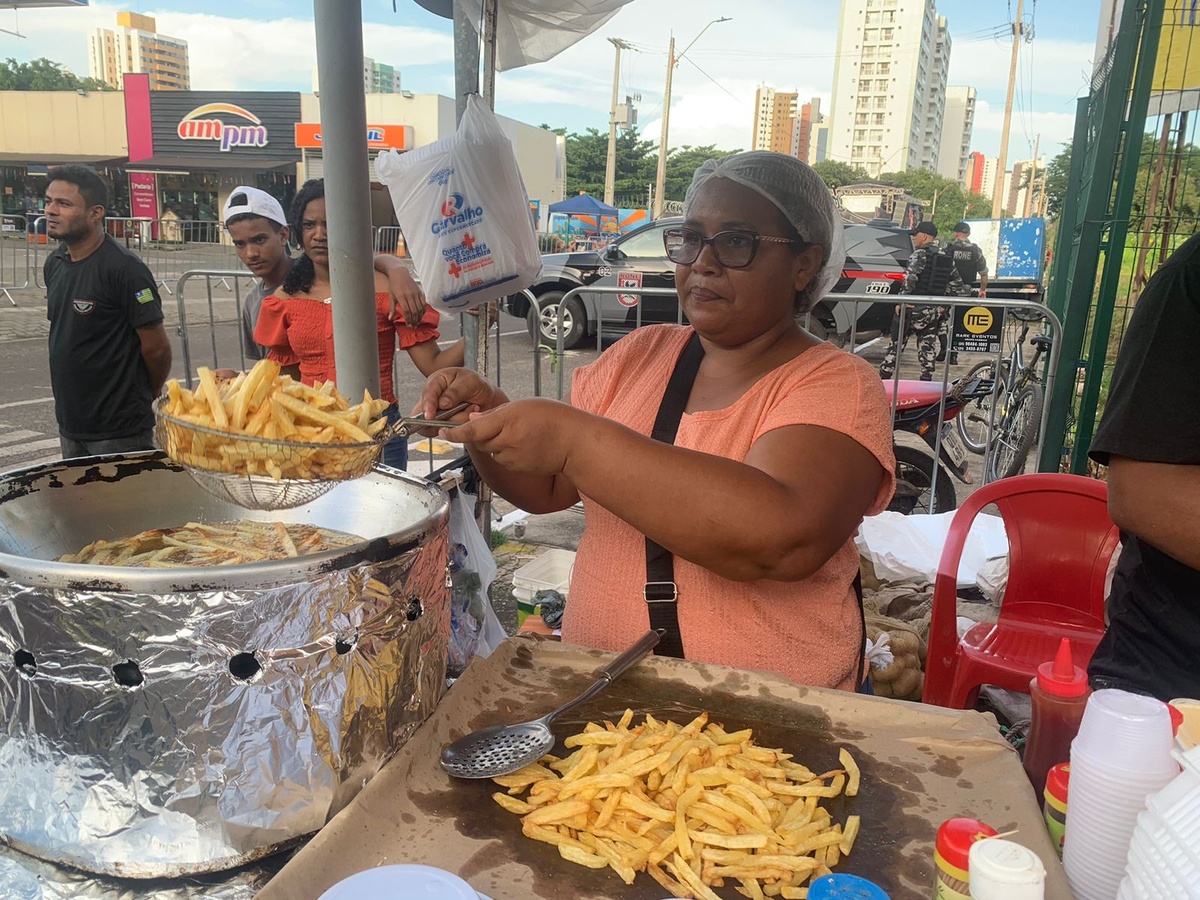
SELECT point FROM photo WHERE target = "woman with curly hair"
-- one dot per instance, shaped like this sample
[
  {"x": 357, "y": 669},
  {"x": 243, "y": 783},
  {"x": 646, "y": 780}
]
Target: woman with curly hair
[{"x": 296, "y": 323}]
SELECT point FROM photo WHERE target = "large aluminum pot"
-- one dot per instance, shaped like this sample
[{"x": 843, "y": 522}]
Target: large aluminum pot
[{"x": 158, "y": 722}]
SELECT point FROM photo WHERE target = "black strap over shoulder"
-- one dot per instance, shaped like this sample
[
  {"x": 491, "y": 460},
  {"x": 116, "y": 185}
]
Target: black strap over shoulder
[{"x": 661, "y": 593}]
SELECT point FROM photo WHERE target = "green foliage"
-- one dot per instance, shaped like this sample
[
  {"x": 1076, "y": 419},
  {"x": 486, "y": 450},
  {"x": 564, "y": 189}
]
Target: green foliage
[
  {"x": 637, "y": 164},
  {"x": 1056, "y": 181},
  {"x": 953, "y": 203},
  {"x": 44, "y": 75},
  {"x": 839, "y": 174}
]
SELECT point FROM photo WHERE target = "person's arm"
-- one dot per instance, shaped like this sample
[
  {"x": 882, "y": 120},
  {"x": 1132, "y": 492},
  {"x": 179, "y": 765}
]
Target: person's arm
[
  {"x": 535, "y": 493},
  {"x": 776, "y": 515},
  {"x": 982, "y": 269},
  {"x": 1158, "y": 503},
  {"x": 428, "y": 357},
  {"x": 916, "y": 265},
  {"x": 405, "y": 293},
  {"x": 156, "y": 354}
]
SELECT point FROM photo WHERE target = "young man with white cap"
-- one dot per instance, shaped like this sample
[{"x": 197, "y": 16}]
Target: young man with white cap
[{"x": 259, "y": 230}]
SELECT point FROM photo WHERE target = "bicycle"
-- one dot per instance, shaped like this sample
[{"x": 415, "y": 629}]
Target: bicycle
[{"x": 1018, "y": 398}]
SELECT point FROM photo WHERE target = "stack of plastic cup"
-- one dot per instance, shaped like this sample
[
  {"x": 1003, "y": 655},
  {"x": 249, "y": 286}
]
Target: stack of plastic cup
[
  {"x": 1164, "y": 857},
  {"x": 1120, "y": 757}
]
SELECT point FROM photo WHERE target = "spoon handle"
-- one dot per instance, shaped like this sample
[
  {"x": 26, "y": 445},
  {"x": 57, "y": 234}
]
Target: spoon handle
[{"x": 611, "y": 672}]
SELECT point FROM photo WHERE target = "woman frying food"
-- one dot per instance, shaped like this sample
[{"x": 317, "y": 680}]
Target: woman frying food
[{"x": 783, "y": 445}]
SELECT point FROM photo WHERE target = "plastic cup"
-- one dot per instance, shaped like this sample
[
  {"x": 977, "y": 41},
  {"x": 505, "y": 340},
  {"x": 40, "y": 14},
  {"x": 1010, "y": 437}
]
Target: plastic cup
[
  {"x": 408, "y": 882},
  {"x": 1004, "y": 870},
  {"x": 1125, "y": 731}
]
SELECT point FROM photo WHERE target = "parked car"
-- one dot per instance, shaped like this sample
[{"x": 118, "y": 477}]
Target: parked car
[{"x": 876, "y": 256}]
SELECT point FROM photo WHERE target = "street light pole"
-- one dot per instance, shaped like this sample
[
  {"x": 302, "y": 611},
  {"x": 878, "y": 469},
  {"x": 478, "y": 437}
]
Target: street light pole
[
  {"x": 610, "y": 172},
  {"x": 672, "y": 59},
  {"x": 1002, "y": 160}
]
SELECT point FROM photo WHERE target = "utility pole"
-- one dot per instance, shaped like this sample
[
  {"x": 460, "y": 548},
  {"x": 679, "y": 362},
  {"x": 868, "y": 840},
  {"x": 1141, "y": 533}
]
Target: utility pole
[
  {"x": 672, "y": 59},
  {"x": 610, "y": 172},
  {"x": 1002, "y": 160},
  {"x": 1032, "y": 186},
  {"x": 660, "y": 179}
]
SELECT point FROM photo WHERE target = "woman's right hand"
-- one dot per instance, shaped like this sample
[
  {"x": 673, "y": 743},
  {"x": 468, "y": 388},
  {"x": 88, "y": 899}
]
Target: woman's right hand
[{"x": 447, "y": 388}]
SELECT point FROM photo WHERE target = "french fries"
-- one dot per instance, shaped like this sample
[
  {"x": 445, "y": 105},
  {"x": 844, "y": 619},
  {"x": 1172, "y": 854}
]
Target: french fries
[
  {"x": 264, "y": 405},
  {"x": 693, "y": 806},
  {"x": 223, "y": 544}
]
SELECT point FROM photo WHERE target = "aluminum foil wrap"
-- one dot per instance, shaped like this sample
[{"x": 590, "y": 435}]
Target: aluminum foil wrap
[{"x": 157, "y": 733}]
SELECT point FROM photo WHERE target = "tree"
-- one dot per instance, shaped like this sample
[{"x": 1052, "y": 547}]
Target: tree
[
  {"x": 682, "y": 163},
  {"x": 44, "y": 75},
  {"x": 587, "y": 159},
  {"x": 839, "y": 174},
  {"x": 953, "y": 203},
  {"x": 1057, "y": 171}
]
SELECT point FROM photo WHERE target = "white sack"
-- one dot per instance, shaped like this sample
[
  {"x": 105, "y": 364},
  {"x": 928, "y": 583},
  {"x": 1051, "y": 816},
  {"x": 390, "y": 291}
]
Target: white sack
[{"x": 908, "y": 548}]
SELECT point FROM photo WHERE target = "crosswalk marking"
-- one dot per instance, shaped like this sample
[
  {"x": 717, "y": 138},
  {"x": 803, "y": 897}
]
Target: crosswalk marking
[
  {"x": 13, "y": 436},
  {"x": 30, "y": 448}
]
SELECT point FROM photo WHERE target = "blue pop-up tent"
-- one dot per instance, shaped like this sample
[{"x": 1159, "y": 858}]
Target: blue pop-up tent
[{"x": 584, "y": 205}]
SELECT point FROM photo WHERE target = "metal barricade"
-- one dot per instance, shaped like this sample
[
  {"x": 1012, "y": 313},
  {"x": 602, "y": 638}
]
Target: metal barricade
[
  {"x": 36, "y": 261},
  {"x": 14, "y": 255},
  {"x": 998, "y": 359},
  {"x": 210, "y": 276},
  {"x": 388, "y": 239}
]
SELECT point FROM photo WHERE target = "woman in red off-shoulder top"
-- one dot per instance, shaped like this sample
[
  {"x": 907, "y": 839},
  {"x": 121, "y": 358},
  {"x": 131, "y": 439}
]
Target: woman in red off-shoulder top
[{"x": 296, "y": 324}]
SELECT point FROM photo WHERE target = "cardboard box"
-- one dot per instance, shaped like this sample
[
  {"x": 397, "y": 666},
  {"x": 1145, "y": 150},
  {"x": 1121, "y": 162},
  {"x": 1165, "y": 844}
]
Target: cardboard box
[{"x": 921, "y": 765}]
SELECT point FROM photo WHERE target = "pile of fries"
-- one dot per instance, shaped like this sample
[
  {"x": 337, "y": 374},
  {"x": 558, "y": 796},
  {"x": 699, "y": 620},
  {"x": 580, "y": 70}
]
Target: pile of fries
[
  {"x": 262, "y": 416},
  {"x": 695, "y": 806},
  {"x": 225, "y": 544}
]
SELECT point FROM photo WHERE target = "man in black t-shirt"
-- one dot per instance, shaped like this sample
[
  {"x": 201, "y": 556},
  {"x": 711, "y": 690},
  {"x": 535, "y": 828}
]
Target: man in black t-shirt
[
  {"x": 109, "y": 352},
  {"x": 1150, "y": 440}
]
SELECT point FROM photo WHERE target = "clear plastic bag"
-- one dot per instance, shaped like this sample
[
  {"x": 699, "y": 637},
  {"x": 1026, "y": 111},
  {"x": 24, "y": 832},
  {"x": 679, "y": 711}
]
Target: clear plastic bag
[
  {"x": 464, "y": 212},
  {"x": 474, "y": 628}
]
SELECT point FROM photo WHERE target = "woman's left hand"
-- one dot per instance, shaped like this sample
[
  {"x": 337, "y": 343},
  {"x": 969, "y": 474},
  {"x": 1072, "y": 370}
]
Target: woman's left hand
[
  {"x": 407, "y": 300},
  {"x": 533, "y": 437}
]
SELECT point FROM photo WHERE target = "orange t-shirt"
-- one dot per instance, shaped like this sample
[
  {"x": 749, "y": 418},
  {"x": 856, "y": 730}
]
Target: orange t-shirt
[
  {"x": 807, "y": 630},
  {"x": 299, "y": 330}
]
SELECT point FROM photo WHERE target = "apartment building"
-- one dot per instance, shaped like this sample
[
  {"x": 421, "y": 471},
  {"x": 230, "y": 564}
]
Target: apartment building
[
  {"x": 958, "y": 121},
  {"x": 136, "y": 46},
  {"x": 378, "y": 78},
  {"x": 889, "y": 85}
]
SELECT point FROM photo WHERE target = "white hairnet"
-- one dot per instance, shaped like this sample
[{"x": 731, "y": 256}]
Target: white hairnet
[{"x": 800, "y": 194}]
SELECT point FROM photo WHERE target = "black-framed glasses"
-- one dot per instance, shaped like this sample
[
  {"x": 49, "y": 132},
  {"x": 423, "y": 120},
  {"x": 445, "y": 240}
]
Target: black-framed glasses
[{"x": 733, "y": 249}]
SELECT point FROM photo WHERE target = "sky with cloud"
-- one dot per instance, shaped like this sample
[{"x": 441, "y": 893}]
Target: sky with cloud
[{"x": 788, "y": 44}]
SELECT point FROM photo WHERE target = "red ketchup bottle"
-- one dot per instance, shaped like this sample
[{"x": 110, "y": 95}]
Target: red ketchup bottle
[{"x": 1060, "y": 693}]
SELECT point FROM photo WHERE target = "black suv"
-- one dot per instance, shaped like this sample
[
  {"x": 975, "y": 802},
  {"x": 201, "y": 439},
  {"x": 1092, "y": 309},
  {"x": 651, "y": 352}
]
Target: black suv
[{"x": 876, "y": 256}]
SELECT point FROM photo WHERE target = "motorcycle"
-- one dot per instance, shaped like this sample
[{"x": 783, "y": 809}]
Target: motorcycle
[{"x": 923, "y": 485}]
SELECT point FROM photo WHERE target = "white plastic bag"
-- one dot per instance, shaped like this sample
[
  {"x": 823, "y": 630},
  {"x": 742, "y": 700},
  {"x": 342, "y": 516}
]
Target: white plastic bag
[
  {"x": 908, "y": 548},
  {"x": 474, "y": 628},
  {"x": 464, "y": 212}
]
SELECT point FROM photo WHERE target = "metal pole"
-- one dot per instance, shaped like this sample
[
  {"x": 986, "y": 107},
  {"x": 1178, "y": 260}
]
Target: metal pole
[
  {"x": 1031, "y": 186},
  {"x": 661, "y": 177},
  {"x": 1002, "y": 159},
  {"x": 610, "y": 172},
  {"x": 466, "y": 59},
  {"x": 347, "y": 193}
]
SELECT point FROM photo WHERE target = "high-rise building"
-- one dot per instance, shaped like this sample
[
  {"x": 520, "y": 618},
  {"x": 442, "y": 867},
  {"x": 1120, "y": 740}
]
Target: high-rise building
[
  {"x": 1020, "y": 188},
  {"x": 974, "y": 179},
  {"x": 136, "y": 46},
  {"x": 808, "y": 118},
  {"x": 818, "y": 144},
  {"x": 958, "y": 120},
  {"x": 774, "y": 120},
  {"x": 378, "y": 78},
  {"x": 889, "y": 85}
]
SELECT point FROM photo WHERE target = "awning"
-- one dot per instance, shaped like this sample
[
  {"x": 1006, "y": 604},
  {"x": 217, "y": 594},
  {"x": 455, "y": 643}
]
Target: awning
[
  {"x": 193, "y": 163},
  {"x": 58, "y": 159}
]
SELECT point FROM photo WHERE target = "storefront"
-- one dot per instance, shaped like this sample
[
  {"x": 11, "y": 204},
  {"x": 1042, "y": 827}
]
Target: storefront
[{"x": 188, "y": 150}]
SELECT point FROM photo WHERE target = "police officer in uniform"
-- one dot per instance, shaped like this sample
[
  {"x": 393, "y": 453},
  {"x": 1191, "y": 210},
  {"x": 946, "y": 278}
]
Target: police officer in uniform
[
  {"x": 930, "y": 272},
  {"x": 972, "y": 265}
]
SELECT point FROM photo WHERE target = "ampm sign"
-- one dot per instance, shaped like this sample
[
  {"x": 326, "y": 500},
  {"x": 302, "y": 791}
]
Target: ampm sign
[{"x": 201, "y": 124}]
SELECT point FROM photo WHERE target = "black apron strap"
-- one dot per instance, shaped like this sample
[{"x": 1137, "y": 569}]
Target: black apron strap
[
  {"x": 660, "y": 593},
  {"x": 862, "y": 644}
]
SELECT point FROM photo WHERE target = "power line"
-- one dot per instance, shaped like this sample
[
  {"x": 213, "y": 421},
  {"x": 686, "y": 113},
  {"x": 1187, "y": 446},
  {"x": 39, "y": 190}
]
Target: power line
[{"x": 714, "y": 81}]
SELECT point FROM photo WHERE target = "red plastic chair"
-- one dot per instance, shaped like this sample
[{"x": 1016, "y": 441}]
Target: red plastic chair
[{"x": 1060, "y": 542}]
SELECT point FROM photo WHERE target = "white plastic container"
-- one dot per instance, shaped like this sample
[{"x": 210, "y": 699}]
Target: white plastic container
[
  {"x": 1120, "y": 757},
  {"x": 549, "y": 572},
  {"x": 1004, "y": 870},
  {"x": 1164, "y": 856},
  {"x": 402, "y": 883}
]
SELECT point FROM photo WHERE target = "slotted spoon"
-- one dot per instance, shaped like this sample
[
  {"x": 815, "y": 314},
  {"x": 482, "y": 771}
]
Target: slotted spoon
[{"x": 503, "y": 749}]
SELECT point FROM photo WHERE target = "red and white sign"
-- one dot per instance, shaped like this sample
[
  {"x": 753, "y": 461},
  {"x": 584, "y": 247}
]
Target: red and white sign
[
  {"x": 143, "y": 195},
  {"x": 629, "y": 279}
]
